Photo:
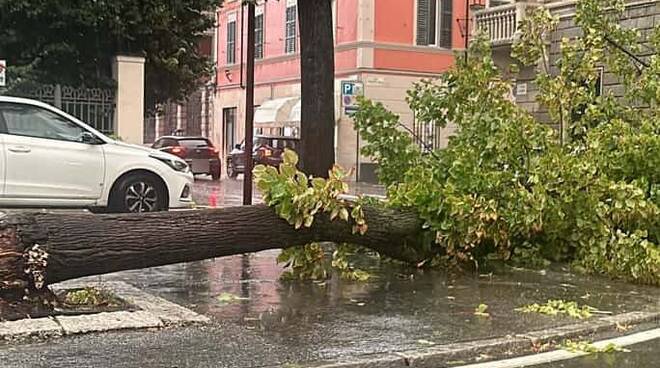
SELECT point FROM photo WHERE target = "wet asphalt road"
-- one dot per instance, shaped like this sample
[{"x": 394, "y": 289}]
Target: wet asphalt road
[
  {"x": 303, "y": 322},
  {"x": 279, "y": 323}
]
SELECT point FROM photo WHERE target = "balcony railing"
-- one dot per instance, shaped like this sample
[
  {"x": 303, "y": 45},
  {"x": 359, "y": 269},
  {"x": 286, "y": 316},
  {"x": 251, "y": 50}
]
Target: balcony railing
[{"x": 501, "y": 22}]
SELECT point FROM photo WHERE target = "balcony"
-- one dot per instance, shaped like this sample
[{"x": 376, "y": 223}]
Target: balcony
[{"x": 501, "y": 22}]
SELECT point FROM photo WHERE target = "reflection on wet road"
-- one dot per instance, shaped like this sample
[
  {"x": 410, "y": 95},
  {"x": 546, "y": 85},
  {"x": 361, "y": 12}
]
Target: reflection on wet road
[{"x": 393, "y": 311}]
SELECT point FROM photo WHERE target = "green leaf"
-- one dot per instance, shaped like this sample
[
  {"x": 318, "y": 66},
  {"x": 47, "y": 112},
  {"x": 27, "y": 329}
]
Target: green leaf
[
  {"x": 227, "y": 298},
  {"x": 290, "y": 157},
  {"x": 481, "y": 310}
]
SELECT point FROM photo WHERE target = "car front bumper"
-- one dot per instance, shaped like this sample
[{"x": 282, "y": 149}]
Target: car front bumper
[{"x": 180, "y": 188}]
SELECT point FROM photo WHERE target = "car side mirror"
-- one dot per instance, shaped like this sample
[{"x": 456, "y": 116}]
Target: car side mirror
[{"x": 89, "y": 138}]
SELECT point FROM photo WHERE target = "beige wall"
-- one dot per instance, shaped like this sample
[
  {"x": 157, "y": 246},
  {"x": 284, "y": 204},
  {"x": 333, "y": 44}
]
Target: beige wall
[{"x": 391, "y": 90}]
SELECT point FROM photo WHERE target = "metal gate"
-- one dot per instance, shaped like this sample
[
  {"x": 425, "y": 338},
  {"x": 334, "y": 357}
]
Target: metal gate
[
  {"x": 94, "y": 106},
  {"x": 192, "y": 117}
]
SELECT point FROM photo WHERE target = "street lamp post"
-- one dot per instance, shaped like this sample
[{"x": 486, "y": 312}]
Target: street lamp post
[{"x": 249, "y": 106}]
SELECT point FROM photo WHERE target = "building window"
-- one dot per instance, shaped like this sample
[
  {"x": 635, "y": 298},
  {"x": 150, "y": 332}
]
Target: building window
[
  {"x": 231, "y": 42},
  {"x": 290, "y": 30},
  {"x": 259, "y": 36},
  {"x": 434, "y": 23}
]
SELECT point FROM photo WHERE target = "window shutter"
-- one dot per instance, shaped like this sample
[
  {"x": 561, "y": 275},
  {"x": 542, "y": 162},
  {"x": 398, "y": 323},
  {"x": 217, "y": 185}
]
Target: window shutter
[
  {"x": 446, "y": 23},
  {"x": 423, "y": 17}
]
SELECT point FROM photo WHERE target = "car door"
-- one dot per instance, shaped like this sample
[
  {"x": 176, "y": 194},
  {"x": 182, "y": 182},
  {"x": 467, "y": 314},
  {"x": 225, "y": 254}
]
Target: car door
[{"x": 45, "y": 157}]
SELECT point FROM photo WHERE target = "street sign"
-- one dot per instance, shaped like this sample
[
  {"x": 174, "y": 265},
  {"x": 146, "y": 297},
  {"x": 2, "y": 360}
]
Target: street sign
[
  {"x": 350, "y": 90},
  {"x": 3, "y": 73}
]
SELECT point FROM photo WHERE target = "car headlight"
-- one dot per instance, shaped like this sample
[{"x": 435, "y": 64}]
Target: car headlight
[{"x": 176, "y": 165}]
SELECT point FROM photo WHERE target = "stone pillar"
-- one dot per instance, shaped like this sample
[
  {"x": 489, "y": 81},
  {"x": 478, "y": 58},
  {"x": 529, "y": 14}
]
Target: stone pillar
[{"x": 128, "y": 71}]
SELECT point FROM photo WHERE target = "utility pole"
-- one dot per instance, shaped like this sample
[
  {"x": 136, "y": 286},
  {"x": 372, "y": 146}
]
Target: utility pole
[{"x": 249, "y": 106}]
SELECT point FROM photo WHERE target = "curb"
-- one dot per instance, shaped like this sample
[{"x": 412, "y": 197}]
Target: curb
[
  {"x": 562, "y": 355},
  {"x": 153, "y": 312},
  {"x": 439, "y": 355}
]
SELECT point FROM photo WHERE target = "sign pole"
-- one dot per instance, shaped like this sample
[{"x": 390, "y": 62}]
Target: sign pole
[
  {"x": 249, "y": 106},
  {"x": 467, "y": 29}
]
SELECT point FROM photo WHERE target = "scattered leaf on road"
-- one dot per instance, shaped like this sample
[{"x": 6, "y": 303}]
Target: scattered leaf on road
[
  {"x": 556, "y": 307},
  {"x": 481, "y": 310},
  {"x": 229, "y": 298}
]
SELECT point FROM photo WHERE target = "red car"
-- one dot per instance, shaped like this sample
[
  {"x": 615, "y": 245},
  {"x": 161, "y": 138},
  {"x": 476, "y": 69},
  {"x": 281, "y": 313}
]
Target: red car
[
  {"x": 198, "y": 152},
  {"x": 267, "y": 150}
]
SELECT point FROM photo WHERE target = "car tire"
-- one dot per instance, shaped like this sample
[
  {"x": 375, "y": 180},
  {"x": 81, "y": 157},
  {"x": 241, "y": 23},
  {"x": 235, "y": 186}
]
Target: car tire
[
  {"x": 137, "y": 193},
  {"x": 215, "y": 175},
  {"x": 231, "y": 172}
]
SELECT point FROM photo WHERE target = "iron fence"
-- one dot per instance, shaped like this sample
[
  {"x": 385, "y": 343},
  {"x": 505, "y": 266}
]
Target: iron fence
[
  {"x": 428, "y": 135},
  {"x": 94, "y": 106}
]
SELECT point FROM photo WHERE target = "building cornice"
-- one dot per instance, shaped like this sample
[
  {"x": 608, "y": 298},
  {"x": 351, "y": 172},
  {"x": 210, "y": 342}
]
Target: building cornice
[
  {"x": 338, "y": 74},
  {"x": 349, "y": 47},
  {"x": 393, "y": 47}
]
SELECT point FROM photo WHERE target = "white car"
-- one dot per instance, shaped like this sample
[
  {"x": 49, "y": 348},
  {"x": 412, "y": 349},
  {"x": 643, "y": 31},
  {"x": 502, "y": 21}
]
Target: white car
[{"x": 48, "y": 158}]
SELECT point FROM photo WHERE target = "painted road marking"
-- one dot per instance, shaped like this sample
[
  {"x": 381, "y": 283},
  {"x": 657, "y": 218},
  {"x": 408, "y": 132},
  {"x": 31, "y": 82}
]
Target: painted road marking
[{"x": 559, "y": 355}]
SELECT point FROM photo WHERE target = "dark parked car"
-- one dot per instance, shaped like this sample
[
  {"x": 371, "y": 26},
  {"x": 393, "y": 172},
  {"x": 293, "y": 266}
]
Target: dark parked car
[
  {"x": 198, "y": 152},
  {"x": 266, "y": 151}
]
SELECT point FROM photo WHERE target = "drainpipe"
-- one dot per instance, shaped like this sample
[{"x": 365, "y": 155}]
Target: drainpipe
[{"x": 242, "y": 34}]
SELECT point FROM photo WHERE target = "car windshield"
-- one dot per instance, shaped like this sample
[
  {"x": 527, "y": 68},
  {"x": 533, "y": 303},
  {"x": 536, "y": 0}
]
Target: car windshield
[
  {"x": 261, "y": 141},
  {"x": 194, "y": 143}
]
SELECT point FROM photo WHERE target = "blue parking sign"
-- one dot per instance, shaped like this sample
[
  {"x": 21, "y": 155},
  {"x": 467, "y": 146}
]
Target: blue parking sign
[{"x": 350, "y": 90}]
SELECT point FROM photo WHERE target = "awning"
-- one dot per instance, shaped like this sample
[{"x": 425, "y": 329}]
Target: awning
[
  {"x": 277, "y": 113},
  {"x": 294, "y": 116}
]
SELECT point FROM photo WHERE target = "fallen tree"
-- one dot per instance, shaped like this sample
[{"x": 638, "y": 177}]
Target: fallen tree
[{"x": 40, "y": 249}]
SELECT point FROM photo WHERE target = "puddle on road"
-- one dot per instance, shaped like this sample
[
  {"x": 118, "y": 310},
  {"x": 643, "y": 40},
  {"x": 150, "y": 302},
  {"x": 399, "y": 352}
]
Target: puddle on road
[{"x": 398, "y": 304}]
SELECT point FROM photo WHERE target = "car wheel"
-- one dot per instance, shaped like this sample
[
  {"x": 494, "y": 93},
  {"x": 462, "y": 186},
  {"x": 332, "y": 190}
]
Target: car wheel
[
  {"x": 138, "y": 193},
  {"x": 231, "y": 172}
]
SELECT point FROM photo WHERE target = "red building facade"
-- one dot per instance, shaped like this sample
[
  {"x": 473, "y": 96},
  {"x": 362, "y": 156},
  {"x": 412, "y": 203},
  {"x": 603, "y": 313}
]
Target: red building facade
[{"x": 383, "y": 45}]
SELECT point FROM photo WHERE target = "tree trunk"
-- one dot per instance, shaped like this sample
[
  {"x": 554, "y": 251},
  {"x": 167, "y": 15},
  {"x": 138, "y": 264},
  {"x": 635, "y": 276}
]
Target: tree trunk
[
  {"x": 40, "y": 249},
  {"x": 317, "y": 64}
]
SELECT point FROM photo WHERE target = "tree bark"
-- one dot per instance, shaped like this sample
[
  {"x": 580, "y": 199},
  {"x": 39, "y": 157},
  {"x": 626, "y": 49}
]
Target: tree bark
[
  {"x": 84, "y": 245},
  {"x": 317, "y": 65}
]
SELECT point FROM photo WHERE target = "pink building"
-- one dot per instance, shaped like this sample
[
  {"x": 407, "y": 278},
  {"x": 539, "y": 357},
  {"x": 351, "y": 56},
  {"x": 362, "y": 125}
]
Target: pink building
[{"x": 384, "y": 46}]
